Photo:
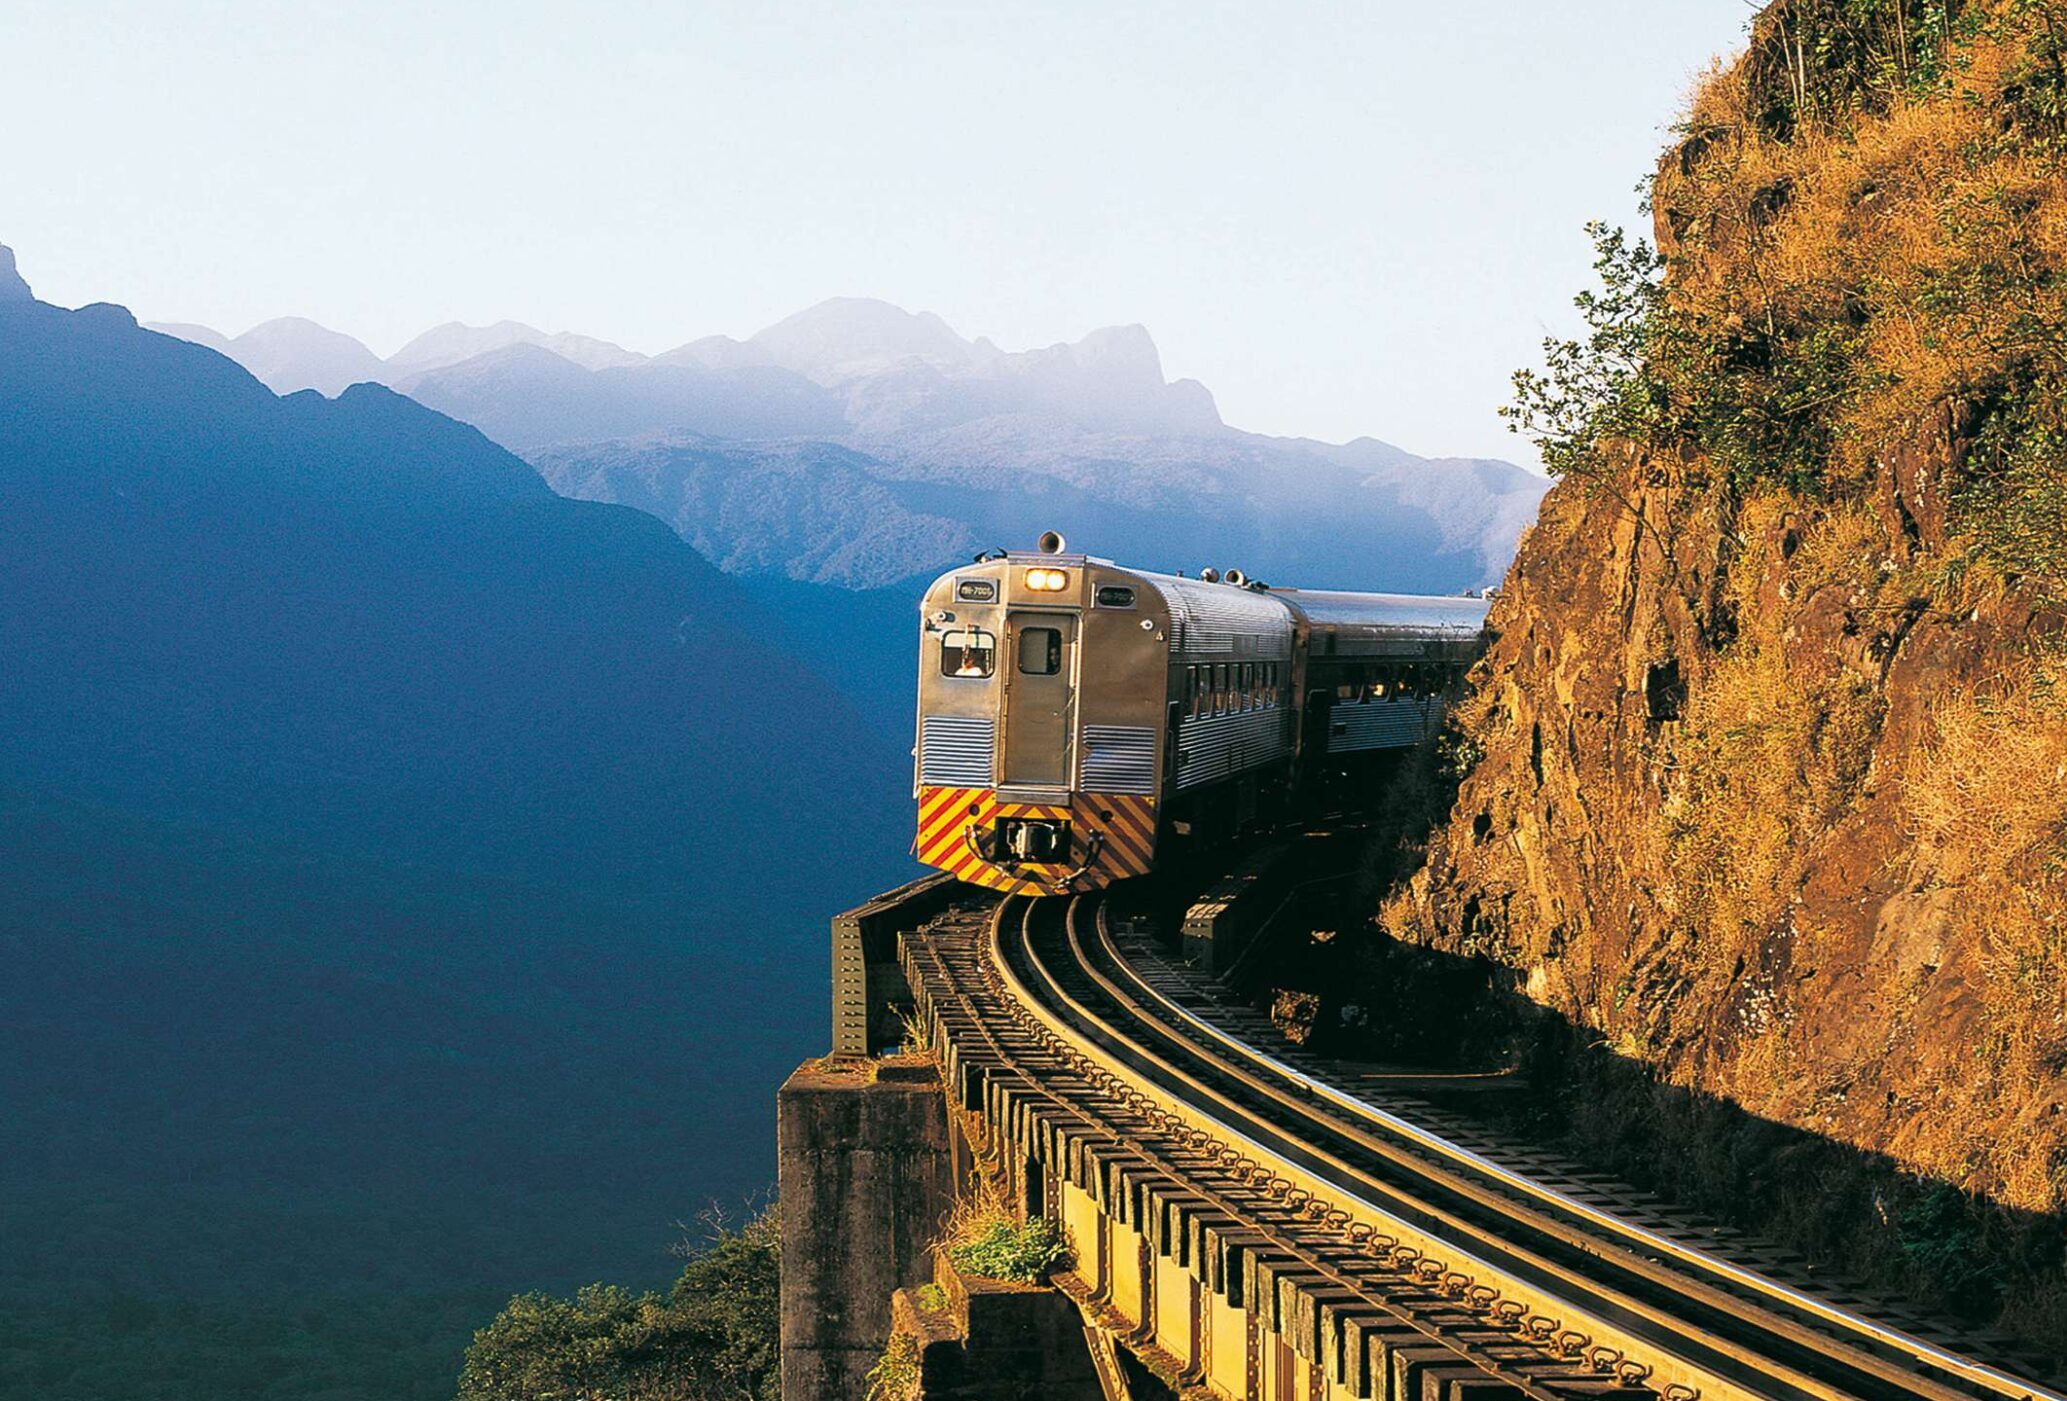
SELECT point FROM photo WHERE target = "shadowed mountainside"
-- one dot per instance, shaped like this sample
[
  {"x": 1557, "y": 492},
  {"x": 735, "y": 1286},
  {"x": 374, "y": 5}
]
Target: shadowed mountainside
[{"x": 392, "y": 851}]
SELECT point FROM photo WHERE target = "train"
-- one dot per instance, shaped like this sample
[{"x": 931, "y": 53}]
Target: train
[{"x": 1077, "y": 718}]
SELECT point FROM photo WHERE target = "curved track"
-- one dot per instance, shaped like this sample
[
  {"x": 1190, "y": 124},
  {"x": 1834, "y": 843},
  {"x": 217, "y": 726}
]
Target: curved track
[{"x": 1060, "y": 959}]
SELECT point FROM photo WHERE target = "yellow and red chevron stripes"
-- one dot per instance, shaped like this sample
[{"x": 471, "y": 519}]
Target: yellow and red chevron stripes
[
  {"x": 1124, "y": 828},
  {"x": 1128, "y": 824}
]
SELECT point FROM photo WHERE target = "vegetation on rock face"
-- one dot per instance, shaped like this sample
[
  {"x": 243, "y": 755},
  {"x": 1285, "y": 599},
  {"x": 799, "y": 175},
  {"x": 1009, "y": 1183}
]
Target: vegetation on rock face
[
  {"x": 712, "y": 1337},
  {"x": 1014, "y": 1251},
  {"x": 1773, "y": 732},
  {"x": 895, "y": 1377},
  {"x": 1866, "y": 229}
]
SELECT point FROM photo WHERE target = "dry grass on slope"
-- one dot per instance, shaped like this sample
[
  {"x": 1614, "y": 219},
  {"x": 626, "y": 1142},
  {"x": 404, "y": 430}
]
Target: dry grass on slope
[
  {"x": 1839, "y": 278},
  {"x": 1986, "y": 803}
]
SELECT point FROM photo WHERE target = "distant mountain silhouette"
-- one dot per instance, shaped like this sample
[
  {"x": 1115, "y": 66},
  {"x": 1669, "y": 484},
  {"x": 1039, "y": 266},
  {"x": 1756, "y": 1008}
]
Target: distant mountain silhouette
[
  {"x": 412, "y": 881},
  {"x": 847, "y": 338},
  {"x": 856, "y": 446},
  {"x": 291, "y": 353},
  {"x": 526, "y": 396},
  {"x": 454, "y": 343},
  {"x": 900, "y": 441},
  {"x": 363, "y": 616},
  {"x": 897, "y": 369}
]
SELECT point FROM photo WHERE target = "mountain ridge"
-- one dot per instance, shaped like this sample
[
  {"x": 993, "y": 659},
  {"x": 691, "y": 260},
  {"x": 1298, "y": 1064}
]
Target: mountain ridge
[{"x": 903, "y": 441}]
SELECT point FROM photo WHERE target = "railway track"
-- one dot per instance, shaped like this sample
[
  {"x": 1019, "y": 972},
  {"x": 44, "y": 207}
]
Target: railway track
[{"x": 1395, "y": 1244}]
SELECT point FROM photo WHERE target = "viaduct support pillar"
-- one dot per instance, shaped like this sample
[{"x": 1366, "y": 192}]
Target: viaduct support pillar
[{"x": 866, "y": 1178}]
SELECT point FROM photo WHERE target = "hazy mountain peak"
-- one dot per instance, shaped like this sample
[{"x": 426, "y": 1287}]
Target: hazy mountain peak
[
  {"x": 847, "y": 337},
  {"x": 12, "y": 287},
  {"x": 298, "y": 329},
  {"x": 1127, "y": 352},
  {"x": 292, "y": 352},
  {"x": 455, "y": 342}
]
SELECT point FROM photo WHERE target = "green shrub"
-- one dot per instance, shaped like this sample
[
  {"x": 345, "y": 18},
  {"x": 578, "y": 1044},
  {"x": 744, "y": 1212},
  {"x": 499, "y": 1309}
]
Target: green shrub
[
  {"x": 713, "y": 1335},
  {"x": 1022, "y": 1254}
]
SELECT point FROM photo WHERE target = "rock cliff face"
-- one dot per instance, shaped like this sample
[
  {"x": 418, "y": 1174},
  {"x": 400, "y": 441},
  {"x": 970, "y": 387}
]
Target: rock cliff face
[
  {"x": 1766, "y": 771},
  {"x": 1729, "y": 853}
]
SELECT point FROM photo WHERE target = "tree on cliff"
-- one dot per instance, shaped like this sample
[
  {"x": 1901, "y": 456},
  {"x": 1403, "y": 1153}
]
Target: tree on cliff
[{"x": 711, "y": 1337}]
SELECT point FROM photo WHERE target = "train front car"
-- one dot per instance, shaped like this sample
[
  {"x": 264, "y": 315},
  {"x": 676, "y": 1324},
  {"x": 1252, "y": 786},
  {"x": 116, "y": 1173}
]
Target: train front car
[{"x": 1041, "y": 688}]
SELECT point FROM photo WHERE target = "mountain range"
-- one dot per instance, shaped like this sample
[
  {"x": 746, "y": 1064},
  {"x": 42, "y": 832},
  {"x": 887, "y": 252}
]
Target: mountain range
[
  {"x": 412, "y": 881},
  {"x": 859, "y": 445}
]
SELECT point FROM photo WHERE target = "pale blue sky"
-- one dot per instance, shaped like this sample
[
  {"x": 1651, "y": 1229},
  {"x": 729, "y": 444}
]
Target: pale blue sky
[{"x": 1343, "y": 218}]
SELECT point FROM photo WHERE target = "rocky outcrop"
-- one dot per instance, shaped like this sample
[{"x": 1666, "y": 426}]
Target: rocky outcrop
[
  {"x": 1766, "y": 771},
  {"x": 1711, "y": 736}
]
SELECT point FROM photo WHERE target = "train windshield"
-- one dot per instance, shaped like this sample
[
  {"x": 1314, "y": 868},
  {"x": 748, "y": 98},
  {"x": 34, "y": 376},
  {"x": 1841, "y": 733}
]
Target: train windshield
[{"x": 968, "y": 652}]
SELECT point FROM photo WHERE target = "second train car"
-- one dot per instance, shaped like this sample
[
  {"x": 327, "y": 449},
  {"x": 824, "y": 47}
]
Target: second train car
[{"x": 1074, "y": 716}]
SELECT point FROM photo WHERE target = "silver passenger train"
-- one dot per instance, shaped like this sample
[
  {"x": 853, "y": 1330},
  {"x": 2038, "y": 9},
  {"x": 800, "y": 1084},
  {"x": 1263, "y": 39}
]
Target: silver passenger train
[{"x": 1074, "y": 716}]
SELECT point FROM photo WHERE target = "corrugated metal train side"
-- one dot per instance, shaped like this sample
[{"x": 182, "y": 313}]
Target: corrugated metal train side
[{"x": 1075, "y": 716}]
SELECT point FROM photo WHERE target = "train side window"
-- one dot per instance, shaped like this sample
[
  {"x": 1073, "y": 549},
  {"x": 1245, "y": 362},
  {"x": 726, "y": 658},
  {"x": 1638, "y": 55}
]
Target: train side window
[
  {"x": 968, "y": 652},
  {"x": 1223, "y": 689},
  {"x": 1040, "y": 651}
]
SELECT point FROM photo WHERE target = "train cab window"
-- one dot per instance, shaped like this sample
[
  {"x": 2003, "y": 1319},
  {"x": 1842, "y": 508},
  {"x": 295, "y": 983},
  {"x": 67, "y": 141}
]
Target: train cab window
[
  {"x": 968, "y": 652},
  {"x": 1040, "y": 651}
]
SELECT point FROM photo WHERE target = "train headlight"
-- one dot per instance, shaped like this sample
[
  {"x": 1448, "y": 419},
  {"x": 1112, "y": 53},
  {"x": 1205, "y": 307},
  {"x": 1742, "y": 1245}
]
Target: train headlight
[{"x": 1047, "y": 580}]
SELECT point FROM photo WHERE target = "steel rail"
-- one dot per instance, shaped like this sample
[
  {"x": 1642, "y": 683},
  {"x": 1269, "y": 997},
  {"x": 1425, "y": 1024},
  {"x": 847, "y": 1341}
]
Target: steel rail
[
  {"x": 1711, "y": 1355},
  {"x": 1861, "y": 1367},
  {"x": 1231, "y": 1208},
  {"x": 1993, "y": 1380},
  {"x": 1023, "y": 994}
]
